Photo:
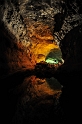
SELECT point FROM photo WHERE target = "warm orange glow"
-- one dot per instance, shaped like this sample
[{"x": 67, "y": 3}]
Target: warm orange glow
[
  {"x": 41, "y": 86},
  {"x": 40, "y": 31},
  {"x": 42, "y": 40},
  {"x": 27, "y": 54}
]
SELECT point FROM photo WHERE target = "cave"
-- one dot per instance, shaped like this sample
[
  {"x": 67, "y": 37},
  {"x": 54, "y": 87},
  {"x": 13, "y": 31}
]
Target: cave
[{"x": 40, "y": 61}]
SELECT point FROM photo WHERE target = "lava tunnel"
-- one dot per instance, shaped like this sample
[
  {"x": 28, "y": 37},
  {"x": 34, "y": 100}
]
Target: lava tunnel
[
  {"x": 54, "y": 56},
  {"x": 41, "y": 61}
]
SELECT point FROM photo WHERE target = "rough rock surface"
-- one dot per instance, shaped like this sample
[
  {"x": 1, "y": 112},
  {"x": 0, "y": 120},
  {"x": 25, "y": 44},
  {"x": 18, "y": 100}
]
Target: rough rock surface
[
  {"x": 29, "y": 30},
  {"x": 29, "y": 24}
]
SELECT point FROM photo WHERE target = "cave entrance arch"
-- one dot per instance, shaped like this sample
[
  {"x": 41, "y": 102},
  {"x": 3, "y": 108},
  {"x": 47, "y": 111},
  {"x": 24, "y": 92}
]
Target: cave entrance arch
[{"x": 54, "y": 56}]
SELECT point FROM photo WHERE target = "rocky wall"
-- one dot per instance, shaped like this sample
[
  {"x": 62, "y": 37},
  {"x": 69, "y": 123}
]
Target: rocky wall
[{"x": 30, "y": 29}]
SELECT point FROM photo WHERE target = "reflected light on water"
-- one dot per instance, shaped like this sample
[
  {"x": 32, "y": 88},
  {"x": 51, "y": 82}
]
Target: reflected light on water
[
  {"x": 38, "y": 99},
  {"x": 40, "y": 86}
]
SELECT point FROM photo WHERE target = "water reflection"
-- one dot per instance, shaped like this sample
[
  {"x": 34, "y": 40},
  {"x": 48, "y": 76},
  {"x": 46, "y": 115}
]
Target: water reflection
[
  {"x": 37, "y": 101},
  {"x": 53, "y": 83},
  {"x": 41, "y": 86}
]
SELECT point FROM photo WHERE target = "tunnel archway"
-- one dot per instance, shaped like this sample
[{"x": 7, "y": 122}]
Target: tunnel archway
[{"x": 54, "y": 56}]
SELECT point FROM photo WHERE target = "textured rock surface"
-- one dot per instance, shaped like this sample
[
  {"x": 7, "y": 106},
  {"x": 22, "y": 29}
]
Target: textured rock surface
[
  {"x": 29, "y": 24},
  {"x": 31, "y": 40},
  {"x": 29, "y": 30}
]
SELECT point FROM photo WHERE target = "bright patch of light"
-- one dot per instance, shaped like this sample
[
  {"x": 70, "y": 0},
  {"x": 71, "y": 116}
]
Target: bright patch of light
[{"x": 52, "y": 60}]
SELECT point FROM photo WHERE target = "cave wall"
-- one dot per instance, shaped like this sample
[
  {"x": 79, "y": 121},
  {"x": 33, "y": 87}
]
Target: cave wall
[{"x": 29, "y": 29}]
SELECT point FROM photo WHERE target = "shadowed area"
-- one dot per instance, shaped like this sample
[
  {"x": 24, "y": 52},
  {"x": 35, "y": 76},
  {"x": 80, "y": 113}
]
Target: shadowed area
[{"x": 30, "y": 99}]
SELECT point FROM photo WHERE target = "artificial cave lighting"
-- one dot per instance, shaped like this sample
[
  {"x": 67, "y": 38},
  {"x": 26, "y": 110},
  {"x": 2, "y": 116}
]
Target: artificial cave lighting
[
  {"x": 41, "y": 37},
  {"x": 52, "y": 60},
  {"x": 54, "y": 56}
]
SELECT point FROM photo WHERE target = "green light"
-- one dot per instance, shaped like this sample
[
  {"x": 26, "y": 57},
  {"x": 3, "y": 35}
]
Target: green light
[{"x": 52, "y": 60}]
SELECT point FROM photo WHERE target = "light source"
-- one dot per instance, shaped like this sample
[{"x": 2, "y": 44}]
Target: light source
[{"x": 52, "y": 61}]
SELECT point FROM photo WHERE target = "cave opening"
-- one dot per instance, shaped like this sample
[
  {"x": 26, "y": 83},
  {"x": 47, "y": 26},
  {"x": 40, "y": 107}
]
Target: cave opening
[{"x": 54, "y": 56}]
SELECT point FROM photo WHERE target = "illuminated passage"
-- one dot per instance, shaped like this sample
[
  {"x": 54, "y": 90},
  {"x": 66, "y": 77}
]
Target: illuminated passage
[
  {"x": 54, "y": 57},
  {"x": 52, "y": 60}
]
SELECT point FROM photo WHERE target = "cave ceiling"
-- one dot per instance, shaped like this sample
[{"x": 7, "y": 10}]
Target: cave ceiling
[{"x": 30, "y": 29}]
